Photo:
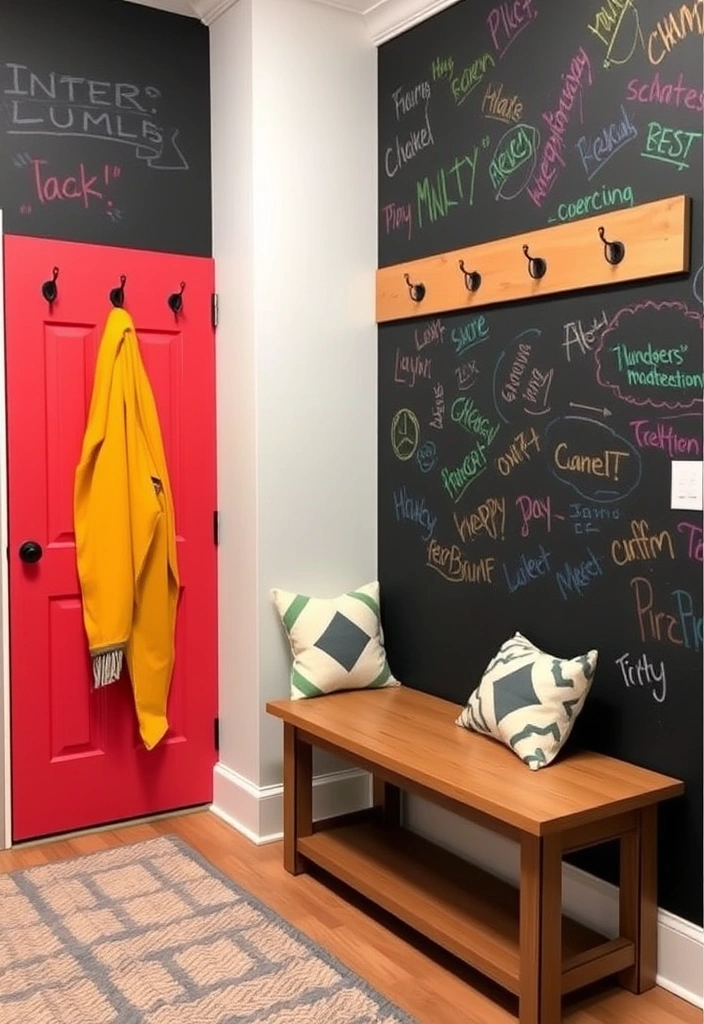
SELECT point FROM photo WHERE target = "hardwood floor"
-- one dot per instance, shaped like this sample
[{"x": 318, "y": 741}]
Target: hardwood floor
[{"x": 431, "y": 986}]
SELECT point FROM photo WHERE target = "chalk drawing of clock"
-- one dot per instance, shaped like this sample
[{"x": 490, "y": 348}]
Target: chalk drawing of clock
[{"x": 405, "y": 434}]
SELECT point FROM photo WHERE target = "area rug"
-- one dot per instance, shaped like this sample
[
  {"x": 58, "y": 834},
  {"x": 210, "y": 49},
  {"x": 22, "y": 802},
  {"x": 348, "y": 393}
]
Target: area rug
[{"x": 153, "y": 933}]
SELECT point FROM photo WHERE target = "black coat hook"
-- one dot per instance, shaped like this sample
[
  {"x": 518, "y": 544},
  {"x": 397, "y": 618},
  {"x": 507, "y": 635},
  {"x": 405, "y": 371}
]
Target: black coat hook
[
  {"x": 417, "y": 291},
  {"x": 117, "y": 295},
  {"x": 536, "y": 264},
  {"x": 50, "y": 290},
  {"x": 472, "y": 279},
  {"x": 175, "y": 300},
  {"x": 613, "y": 251}
]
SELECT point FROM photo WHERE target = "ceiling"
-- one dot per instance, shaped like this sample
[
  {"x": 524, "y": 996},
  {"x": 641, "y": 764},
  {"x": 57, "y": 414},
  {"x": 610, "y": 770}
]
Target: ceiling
[{"x": 384, "y": 18}]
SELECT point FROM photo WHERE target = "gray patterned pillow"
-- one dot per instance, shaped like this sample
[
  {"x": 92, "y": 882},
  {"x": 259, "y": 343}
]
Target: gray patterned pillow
[
  {"x": 336, "y": 643},
  {"x": 529, "y": 699}
]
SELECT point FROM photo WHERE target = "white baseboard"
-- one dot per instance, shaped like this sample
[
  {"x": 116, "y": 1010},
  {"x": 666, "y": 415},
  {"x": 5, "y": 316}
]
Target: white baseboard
[
  {"x": 589, "y": 900},
  {"x": 257, "y": 811}
]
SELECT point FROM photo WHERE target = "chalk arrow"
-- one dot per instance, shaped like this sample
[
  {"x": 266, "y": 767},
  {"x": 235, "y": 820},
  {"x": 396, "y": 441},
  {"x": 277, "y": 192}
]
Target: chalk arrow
[{"x": 602, "y": 412}]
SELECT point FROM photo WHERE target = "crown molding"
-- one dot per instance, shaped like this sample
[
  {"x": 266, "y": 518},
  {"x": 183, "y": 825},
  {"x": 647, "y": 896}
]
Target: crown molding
[
  {"x": 389, "y": 18},
  {"x": 209, "y": 10}
]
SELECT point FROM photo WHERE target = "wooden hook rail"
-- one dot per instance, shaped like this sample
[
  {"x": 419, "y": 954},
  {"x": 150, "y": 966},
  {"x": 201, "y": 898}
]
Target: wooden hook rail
[{"x": 645, "y": 241}]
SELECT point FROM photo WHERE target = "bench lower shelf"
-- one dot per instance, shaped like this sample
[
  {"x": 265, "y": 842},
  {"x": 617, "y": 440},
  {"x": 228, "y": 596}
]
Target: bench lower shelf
[{"x": 465, "y": 910}]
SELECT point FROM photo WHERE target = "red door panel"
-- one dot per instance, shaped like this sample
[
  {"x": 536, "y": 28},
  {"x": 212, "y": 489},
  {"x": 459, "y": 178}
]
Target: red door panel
[{"x": 77, "y": 759}]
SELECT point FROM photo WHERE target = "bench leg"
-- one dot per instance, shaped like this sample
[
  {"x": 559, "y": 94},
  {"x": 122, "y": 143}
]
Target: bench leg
[
  {"x": 387, "y": 802},
  {"x": 298, "y": 797},
  {"x": 638, "y": 909},
  {"x": 540, "y": 995}
]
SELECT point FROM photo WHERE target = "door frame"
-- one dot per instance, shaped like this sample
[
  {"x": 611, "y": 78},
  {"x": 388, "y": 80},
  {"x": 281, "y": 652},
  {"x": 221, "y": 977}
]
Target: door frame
[{"x": 5, "y": 762}]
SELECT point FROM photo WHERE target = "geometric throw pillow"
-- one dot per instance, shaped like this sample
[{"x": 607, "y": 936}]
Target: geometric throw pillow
[
  {"x": 336, "y": 643},
  {"x": 529, "y": 699}
]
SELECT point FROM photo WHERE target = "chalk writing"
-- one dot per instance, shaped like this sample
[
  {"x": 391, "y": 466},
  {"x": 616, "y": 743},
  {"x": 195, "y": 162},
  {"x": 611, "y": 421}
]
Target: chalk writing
[
  {"x": 465, "y": 413},
  {"x": 437, "y": 418},
  {"x": 516, "y": 150},
  {"x": 84, "y": 188},
  {"x": 578, "y": 75},
  {"x": 665, "y": 438},
  {"x": 617, "y": 26},
  {"x": 451, "y": 186},
  {"x": 584, "y": 519},
  {"x": 405, "y": 434},
  {"x": 596, "y": 151},
  {"x": 451, "y": 564},
  {"x": 406, "y": 148},
  {"x": 535, "y": 510},
  {"x": 414, "y": 510},
  {"x": 574, "y": 333},
  {"x": 573, "y": 579},
  {"x": 605, "y": 463},
  {"x": 407, "y": 99},
  {"x": 692, "y": 533},
  {"x": 407, "y": 369},
  {"x": 698, "y": 285},
  {"x": 527, "y": 570},
  {"x": 488, "y": 519},
  {"x": 457, "y": 480},
  {"x": 466, "y": 375},
  {"x": 442, "y": 67},
  {"x": 665, "y": 93},
  {"x": 506, "y": 21},
  {"x": 471, "y": 77},
  {"x": 643, "y": 672},
  {"x": 643, "y": 372},
  {"x": 71, "y": 106},
  {"x": 500, "y": 107},
  {"x": 427, "y": 456},
  {"x": 641, "y": 546},
  {"x": 510, "y": 389},
  {"x": 605, "y": 198},
  {"x": 669, "y": 145},
  {"x": 680, "y": 625},
  {"x": 592, "y": 458},
  {"x": 519, "y": 451},
  {"x": 468, "y": 334},
  {"x": 433, "y": 334},
  {"x": 674, "y": 28},
  {"x": 397, "y": 218}
]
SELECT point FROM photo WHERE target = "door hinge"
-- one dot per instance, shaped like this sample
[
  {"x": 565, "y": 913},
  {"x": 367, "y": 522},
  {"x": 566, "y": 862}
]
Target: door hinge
[
  {"x": 216, "y": 527},
  {"x": 214, "y": 309},
  {"x": 216, "y": 733}
]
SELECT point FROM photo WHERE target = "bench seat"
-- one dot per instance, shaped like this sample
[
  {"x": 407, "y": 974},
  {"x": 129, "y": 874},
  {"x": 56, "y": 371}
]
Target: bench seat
[{"x": 519, "y": 937}]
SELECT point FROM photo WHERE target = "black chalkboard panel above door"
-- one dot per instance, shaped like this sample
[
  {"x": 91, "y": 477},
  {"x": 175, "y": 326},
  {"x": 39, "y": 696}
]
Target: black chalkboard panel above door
[
  {"x": 525, "y": 450},
  {"x": 105, "y": 125}
]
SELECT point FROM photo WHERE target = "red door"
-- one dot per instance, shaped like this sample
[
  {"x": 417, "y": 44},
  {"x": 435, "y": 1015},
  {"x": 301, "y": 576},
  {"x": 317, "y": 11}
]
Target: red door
[{"x": 77, "y": 759}]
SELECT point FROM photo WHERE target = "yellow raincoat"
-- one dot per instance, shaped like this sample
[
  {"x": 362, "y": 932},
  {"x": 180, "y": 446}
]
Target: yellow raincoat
[{"x": 125, "y": 536}]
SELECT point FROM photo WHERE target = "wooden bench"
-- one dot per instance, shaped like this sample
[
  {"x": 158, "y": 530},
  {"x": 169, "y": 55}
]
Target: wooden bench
[{"x": 520, "y": 939}]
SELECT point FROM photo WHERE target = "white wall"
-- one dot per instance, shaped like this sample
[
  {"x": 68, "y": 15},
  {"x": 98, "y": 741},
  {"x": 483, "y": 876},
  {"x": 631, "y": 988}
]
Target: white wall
[{"x": 295, "y": 214}]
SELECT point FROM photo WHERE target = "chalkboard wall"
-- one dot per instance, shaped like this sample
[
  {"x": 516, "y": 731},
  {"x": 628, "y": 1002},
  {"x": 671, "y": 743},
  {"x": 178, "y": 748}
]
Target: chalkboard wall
[
  {"x": 524, "y": 469},
  {"x": 105, "y": 124}
]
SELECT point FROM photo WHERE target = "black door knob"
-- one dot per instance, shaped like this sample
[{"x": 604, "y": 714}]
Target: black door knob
[{"x": 30, "y": 551}]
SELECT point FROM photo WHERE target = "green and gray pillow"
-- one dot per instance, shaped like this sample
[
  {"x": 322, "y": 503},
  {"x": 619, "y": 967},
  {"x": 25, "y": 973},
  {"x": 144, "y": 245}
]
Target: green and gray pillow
[
  {"x": 529, "y": 700},
  {"x": 336, "y": 643}
]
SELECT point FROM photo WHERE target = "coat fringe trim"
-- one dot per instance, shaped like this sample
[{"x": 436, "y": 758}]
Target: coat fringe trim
[{"x": 107, "y": 667}]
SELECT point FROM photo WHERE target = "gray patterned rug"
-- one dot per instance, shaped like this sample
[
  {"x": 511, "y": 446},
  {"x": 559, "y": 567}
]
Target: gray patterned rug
[{"x": 153, "y": 933}]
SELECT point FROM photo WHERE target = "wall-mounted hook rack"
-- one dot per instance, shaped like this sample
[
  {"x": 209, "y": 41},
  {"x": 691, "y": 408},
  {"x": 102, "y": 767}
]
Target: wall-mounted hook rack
[{"x": 653, "y": 242}]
